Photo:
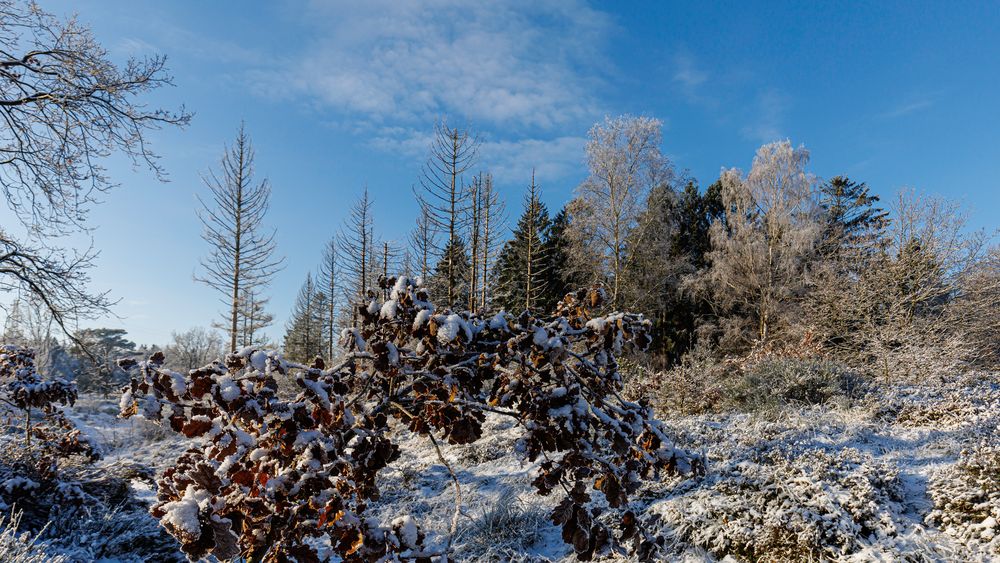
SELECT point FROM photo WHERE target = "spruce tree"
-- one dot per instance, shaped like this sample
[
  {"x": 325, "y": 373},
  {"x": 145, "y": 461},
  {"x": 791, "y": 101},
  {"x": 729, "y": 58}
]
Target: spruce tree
[
  {"x": 522, "y": 270},
  {"x": 452, "y": 272},
  {"x": 560, "y": 279},
  {"x": 853, "y": 224},
  {"x": 304, "y": 335}
]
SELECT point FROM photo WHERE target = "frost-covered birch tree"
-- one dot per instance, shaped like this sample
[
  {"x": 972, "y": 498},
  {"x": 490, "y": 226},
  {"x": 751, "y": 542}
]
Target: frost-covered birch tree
[
  {"x": 762, "y": 247},
  {"x": 625, "y": 163}
]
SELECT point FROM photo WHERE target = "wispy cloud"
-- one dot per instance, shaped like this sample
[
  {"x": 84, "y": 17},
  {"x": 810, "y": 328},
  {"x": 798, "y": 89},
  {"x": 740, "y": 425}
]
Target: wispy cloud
[
  {"x": 688, "y": 75},
  {"x": 515, "y": 64},
  {"x": 907, "y": 108},
  {"x": 510, "y": 161},
  {"x": 766, "y": 123}
]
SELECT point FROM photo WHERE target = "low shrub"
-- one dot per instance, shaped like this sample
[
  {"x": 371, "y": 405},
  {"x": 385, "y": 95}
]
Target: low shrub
[
  {"x": 703, "y": 385},
  {"x": 783, "y": 505},
  {"x": 967, "y": 497}
]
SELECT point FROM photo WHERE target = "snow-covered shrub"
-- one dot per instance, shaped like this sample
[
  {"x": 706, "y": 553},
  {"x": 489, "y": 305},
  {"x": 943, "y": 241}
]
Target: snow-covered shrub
[
  {"x": 967, "y": 497},
  {"x": 271, "y": 476},
  {"x": 967, "y": 400},
  {"x": 25, "y": 391},
  {"x": 780, "y": 504},
  {"x": 702, "y": 384},
  {"x": 777, "y": 381}
]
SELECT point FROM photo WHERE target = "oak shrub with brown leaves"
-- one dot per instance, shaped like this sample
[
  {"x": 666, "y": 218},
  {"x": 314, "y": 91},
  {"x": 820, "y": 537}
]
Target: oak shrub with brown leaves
[{"x": 268, "y": 478}]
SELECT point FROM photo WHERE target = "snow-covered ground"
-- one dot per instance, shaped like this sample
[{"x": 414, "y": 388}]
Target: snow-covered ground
[{"x": 851, "y": 482}]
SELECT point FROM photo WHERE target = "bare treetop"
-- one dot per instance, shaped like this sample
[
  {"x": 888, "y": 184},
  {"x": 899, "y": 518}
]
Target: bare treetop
[{"x": 65, "y": 106}]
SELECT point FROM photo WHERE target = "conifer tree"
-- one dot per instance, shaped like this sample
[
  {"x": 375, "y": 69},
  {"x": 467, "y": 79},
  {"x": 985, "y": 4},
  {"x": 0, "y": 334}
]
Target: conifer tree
[
  {"x": 452, "y": 271},
  {"x": 304, "y": 335},
  {"x": 522, "y": 269},
  {"x": 853, "y": 223},
  {"x": 560, "y": 278}
]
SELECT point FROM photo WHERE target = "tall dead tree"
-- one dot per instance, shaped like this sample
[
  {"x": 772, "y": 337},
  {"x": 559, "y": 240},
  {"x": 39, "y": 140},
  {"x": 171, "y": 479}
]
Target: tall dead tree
[
  {"x": 423, "y": 242},
  {"x": 475, "y": 239},
  {"x": 242, "y": 257},
  {"x": 329, "y": 285},
  {"x": 357, "y": 243},
  {"x": 444, "y": 194},
  {"x": 493, "y": 217}
]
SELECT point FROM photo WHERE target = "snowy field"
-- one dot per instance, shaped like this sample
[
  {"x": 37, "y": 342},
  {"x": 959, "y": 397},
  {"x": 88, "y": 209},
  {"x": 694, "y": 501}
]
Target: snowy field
[{"x": 867, "y": 481}]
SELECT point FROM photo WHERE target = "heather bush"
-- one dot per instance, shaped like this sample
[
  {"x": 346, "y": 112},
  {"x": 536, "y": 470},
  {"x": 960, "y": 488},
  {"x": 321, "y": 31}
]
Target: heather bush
[
  {"x": 966, "y": 497},
  {"x": 787, "y": 504}
]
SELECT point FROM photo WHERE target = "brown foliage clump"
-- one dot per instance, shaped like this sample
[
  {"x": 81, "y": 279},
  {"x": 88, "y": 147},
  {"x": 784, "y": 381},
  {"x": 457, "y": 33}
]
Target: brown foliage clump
[{"x": 270, "y": 474}]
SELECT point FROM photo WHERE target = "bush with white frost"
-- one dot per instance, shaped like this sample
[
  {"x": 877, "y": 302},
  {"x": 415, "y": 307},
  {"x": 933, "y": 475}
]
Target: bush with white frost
[
  {"x": 967, "y": 497},
  {"x": 781, "y": 504}
]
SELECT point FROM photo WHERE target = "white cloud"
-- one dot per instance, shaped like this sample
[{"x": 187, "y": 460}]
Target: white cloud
[
  {"x": 510, "y": 161},
  {"x": 907, "y": 108},
  {"x": 766, "y": 123},
  {"x": 688, "y": 75},
  {"x": 511, "y": 64}
]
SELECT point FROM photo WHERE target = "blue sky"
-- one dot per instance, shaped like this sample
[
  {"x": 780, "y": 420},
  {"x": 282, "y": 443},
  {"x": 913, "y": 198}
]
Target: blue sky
[{"x": 338, "y": 95}]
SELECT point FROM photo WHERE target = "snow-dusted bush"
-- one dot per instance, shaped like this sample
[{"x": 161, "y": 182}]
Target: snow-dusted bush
[
  {"x": 784, "y": 505},
  {"x": 967, "y": 497},
  {"x": 270, "y": 477},
  {"x": 781, "y": 380},
  {"x": 26, "y": 392},
  {"x": 702, "y": 384},
  {"x": 944, "y": 402}
]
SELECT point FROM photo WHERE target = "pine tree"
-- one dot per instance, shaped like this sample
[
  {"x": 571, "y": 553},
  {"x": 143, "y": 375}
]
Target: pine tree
[
  {"x": 452, "y": 271},
  {"x": 304, "y": 335},
  {"x": 522, "y": 270},
  {"x": 853, "y": 223}
]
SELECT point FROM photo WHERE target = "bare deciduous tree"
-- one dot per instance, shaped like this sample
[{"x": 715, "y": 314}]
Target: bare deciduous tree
[
  {"x": 193, "y": 349},
  {"x": 242, "y": 257},
  {"x": 65, "y": 106}
]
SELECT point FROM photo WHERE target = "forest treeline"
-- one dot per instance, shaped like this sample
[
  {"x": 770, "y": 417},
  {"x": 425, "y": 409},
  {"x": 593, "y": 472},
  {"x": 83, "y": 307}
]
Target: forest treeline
[
  {"x": 757, "y": 260},
  {"x": 770, "y": 258}
]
